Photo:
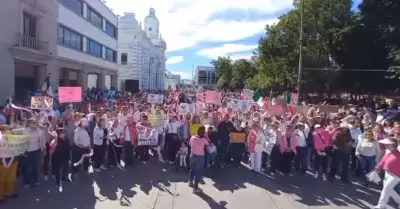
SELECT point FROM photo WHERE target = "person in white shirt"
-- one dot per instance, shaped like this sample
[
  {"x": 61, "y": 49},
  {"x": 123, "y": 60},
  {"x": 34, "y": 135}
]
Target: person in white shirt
[
  {"x": 300, "y": 160},
  {"x": 99, "y": 145},
  {"x": 82, "y": 144},
  {"x": 206, "y": 119},
  {"x": 123, "y": 116},
  {"x": 172, "y": 138},
  {"x": 32, "y": 158},
  {"x": 115, "y": 146},
  {"x": 138, "y": 114},
  {"x": 368, "y": 152}
]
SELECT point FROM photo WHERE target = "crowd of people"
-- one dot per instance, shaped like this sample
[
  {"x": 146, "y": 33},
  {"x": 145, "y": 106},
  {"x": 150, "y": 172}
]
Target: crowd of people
[{"x": 353, "y": 141}]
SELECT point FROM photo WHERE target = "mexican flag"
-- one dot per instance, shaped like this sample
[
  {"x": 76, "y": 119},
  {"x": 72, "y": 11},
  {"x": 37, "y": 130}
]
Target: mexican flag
[{"x": 258, "y": 99}]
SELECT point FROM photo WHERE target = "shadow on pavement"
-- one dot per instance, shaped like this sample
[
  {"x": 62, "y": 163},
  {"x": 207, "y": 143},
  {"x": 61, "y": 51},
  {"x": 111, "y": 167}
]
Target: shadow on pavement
[{"x": 121, "y": 187}]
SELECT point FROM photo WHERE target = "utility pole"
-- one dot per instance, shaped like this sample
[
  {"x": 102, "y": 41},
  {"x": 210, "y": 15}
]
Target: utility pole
[{"x": 299, "y": 90}]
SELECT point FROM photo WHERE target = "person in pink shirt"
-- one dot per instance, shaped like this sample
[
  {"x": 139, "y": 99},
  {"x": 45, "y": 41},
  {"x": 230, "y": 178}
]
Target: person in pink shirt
[
  {"x": 322, "y": 142},
  {"x": 390, "y": 164},
  {"x": 287, "y": 145},
  {"x": 197, "y": 144}
]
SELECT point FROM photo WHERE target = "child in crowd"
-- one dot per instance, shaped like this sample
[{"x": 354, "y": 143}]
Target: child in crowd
[
  {"x": 183, "y": 153},
  {"x": 212, "y": 154}
]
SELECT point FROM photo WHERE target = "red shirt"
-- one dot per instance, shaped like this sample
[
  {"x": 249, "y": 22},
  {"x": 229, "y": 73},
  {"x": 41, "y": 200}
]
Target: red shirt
[{"x": 390, "y": 162}]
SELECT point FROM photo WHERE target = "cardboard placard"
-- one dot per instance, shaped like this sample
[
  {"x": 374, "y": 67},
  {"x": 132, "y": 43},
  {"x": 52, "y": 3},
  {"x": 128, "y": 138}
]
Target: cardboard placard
[
  {"x": 238, "y": 137},
  {"x": 41, "y": 102}
]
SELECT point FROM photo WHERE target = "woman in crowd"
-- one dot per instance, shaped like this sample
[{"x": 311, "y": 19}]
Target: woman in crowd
[
  {"x": 256, "y": 140},
  {"x": 237, "y": 148},
  {"x": 60, "y": 155},
  {"x": 8, "y": 171},
  {"x": 367, "y": 151},
  {"x": 81, "y": 145},
  {"x": 342, "y": 144},
  {"x": 115, "y": 146},
  {"x": 34, "y": 153},
  {"x": 287, "y": 146},
  {"x": 172, "y": 138},
  {"x": 144, "y": 126},
  {"x": 272, "y": 147},
  {"x": 129, "y": 137},
  {"x": 390, "y": 165},
  {"x": 323, "y": 145},
  {"x": 197, "y": 144},
  {"x": 99, "y": 145}
]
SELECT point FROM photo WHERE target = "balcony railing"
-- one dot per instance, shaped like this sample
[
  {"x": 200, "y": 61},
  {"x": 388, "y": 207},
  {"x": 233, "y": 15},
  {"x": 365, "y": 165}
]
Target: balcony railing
[{"x": 32, "y": 43}]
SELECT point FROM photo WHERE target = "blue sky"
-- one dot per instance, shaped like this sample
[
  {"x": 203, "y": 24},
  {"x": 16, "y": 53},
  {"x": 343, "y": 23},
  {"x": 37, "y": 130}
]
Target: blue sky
[{"x": 197, "y": 31}]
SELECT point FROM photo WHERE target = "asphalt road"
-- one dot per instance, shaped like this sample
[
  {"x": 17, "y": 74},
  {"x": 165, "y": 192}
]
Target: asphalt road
[{"x": 159, "y": 186}]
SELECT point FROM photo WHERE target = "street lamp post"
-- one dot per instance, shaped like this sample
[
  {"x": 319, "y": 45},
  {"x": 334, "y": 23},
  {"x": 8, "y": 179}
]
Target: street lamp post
[
  {"x": 299, "y": 92},
  {"x": 150, "y": 62}
]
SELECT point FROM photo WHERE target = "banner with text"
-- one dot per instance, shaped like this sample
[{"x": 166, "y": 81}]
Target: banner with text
[{"x": 41, "y": 102}]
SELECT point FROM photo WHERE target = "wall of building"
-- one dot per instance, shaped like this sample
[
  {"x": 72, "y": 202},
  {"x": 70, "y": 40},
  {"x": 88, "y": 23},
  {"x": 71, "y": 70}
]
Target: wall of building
[
  {"x": 11, "y": 23},
  {"x": 81, "y": 25}
]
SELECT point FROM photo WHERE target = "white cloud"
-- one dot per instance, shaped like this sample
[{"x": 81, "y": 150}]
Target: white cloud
[
  {"x": 235, "y": 51},
  {"x": 184, "y": 23},
  {"x": 241, "y": 56},
  {"x": 184, "y": 75},
  {"x": 174, "y": 60}
]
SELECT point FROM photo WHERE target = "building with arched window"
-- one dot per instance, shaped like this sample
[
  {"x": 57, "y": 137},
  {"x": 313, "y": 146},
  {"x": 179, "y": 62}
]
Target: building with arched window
[{"x": 205, "y": 76}]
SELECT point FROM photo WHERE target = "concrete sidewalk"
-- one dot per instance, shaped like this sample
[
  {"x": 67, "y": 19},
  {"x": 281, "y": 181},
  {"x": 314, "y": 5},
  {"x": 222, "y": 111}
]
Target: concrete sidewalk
[{"x": 159, "y": 186}]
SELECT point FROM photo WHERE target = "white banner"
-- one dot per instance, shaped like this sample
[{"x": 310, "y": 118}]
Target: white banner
[
  {"x": 240, "y": 105},
  {"x": 13, "y": 145},
  {"x": 144, "y": 134},
  {"x": 185, "y": 108},
  {"x": 155, "y": 98}
]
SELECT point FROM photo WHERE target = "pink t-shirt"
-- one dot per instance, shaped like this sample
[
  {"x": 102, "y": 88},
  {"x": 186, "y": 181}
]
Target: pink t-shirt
[
  {"x": 197, "y": 145},
  {"x": 390, "y": 163}
]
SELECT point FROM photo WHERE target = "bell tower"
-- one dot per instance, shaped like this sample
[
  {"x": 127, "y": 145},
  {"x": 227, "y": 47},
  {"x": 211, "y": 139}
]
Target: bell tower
[{"x": 152, "y": 25}]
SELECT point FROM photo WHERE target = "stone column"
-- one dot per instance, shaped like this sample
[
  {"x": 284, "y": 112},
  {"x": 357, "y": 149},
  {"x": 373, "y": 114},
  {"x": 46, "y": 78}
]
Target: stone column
[
  {"x": 7, "y": 84},
  {"x": 65, "y": 74},
  {"x": 41, "y": 74},
  {"x": 114, "y": 81},
  {"x": 101, "y": 77},
  {"x": 83, "y": 79},
  {"x": 53, "y": 70}
]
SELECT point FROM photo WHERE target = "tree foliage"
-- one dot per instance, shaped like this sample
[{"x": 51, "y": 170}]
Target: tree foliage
[{"x": 343, "y": 50}]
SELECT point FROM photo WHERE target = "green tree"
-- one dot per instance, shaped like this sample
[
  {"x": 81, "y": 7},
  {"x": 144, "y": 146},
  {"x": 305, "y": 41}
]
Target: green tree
[
  {"x": 223, "y": 69},
  {"x": 242, "y": 69}
]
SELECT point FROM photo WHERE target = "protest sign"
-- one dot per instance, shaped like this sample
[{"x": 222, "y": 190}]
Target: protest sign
[
  {"x": 41, "y": 102},
  {"x": 213, "y": 97},
  {"x": 248, "y": 94},
  {"x": 277, "y": 110},
  {"x": 143, "y": 137},
  {"x": 155, "y": 98},
  {"x": 238, "y": 137},
  {"x": 156, "y": 120},
  {"x": 239, "y": 105},
  {"x": 12, "y": 145},
  {"x": 185, "y": 108},
  {"x": 69, "y": 94}
]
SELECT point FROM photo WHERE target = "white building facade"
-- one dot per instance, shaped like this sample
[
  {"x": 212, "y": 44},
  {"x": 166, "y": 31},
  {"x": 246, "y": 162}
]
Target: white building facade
[
  {"x": 87, "y": 43},
  {"x": 171, "y": 81},
  {"x": 141, "y": 52},
  {"x": 65, "y": 39},
  {"x": 205, "y": 76}
]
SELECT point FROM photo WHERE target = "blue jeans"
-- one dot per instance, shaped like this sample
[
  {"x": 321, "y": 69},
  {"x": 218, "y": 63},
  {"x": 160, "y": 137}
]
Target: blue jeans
[
  {"x": 196, "y": 164},
  {"x": 30, "y": 167},
  {"x": 367, "y": 164},
  {"x": 300, "y": 160},
  {"x": 211, "y": 158}
]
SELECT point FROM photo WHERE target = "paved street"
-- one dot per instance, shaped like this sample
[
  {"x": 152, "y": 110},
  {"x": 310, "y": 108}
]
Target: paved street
[{"x": 158, "y": 186}]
